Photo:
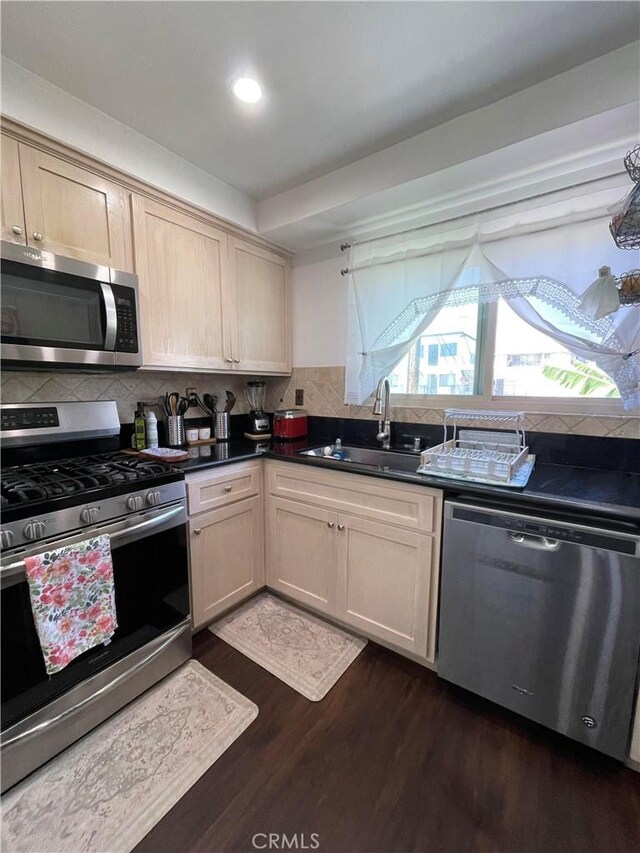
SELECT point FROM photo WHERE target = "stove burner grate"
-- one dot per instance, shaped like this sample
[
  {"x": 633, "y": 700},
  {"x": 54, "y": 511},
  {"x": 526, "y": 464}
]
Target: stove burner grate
[{"x": 36, "y": 482}]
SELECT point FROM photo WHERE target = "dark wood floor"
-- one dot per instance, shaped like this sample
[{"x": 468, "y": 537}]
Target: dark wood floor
[{"x": 394, "y": 759}]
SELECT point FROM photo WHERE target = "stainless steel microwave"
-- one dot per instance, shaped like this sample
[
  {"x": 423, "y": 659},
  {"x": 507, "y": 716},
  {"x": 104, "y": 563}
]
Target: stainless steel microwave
[{"x": 57, "y": 310}]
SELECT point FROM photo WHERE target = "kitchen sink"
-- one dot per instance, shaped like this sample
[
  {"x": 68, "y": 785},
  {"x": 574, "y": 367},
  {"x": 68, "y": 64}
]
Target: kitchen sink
[{"x": 371, "y": 457}]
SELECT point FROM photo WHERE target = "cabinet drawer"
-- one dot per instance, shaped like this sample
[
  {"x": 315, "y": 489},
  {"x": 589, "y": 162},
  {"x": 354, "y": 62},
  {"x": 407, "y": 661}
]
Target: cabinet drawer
[
  {"x": 404, "y": 505},
  {"x": 217, "y": 487}
]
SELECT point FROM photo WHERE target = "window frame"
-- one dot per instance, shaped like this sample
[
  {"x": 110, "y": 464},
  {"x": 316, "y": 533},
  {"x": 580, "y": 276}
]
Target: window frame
[{"x": 483, "y": 382}]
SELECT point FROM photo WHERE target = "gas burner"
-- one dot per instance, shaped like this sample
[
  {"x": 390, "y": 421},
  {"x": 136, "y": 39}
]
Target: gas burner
[{"x": 37, "y": 482}]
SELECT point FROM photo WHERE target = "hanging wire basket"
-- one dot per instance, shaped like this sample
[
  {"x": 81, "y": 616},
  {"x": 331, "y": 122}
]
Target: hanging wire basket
[
  {"x": 625, "y": 223},
  {"x": 628, "y": 285},
  {"x": 632, "y": 163}
]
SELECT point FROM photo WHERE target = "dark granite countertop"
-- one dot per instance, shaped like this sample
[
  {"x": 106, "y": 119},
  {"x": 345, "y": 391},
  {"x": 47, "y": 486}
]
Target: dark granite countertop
[{"x": 598, "y": 492}]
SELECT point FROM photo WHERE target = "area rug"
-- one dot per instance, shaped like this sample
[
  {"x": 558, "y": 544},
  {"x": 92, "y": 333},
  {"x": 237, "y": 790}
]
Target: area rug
[
  {"x": 306, "y": 653},
  {"x": 108, "y": 790}
]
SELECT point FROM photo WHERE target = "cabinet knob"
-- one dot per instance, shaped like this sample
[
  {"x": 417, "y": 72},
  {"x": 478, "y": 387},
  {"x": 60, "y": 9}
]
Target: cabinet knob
[
  {"x": 17, "y": 230},
  {"x": 236, "y": 361},
  {"x": 228, "y": 488},
  {"x": 229, "y": 360},
  {"x": 37, "y": 235},
  {"x": 330, "y": 524},
  {"x": 197, "y": 531},
  {"x": 341, "y": 527}
]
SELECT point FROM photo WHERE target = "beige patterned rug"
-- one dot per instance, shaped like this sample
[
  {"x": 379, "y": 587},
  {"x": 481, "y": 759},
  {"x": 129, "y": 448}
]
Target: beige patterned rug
[
  {"x": 108, "y": 790},
  {"x": 306, "y": 653}
]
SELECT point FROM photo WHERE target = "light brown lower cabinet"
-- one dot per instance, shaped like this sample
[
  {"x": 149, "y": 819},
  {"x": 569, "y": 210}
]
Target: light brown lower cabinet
[
  {"x": 227, "y": 557},
  {"x": 374, "y": 577},
  {"x": 384, "y": 575},
  {"x": 302, "y": 553}
]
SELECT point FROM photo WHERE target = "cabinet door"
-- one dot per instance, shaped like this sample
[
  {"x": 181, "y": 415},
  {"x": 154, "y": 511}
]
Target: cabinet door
[
  {"x": 301, "y": 553},
  {"x": 13, "y": 227},
  {"x": 73, "y": 212},
  {"x": 261, "y": 327},
  {"x": 383, "y": 582},
  {"x": 227, "y": 557},
  {"x": 181, "y": 265}
]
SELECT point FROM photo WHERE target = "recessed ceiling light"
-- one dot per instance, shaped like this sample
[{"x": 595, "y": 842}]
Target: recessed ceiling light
[{"x": 247, "y": 90}]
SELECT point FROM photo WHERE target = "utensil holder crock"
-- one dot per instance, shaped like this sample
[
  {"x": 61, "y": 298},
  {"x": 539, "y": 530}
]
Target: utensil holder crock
[
  {"x": 223, "y": 426},
  {"x": 175, "y": 431}
]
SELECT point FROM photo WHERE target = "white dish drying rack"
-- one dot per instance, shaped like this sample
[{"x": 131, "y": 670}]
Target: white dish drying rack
[{"x": 489, "y": 454}]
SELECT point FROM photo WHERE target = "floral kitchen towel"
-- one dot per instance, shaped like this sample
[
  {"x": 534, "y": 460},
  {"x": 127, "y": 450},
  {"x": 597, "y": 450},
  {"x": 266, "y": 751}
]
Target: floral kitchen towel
[{"x": 72, "y": 599}]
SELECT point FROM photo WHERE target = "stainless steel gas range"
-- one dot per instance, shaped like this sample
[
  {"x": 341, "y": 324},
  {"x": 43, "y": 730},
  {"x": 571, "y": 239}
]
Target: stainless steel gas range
[{"x": 64, "y": 480}]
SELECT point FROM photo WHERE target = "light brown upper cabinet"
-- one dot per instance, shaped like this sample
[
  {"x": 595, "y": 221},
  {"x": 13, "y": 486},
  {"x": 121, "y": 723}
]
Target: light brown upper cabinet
[
  {"x": 74, "y": 212},
  {"x": 13, "y": 227},
  {"x": 181, "y": 264},
  {"x": 260, "y": 326}
]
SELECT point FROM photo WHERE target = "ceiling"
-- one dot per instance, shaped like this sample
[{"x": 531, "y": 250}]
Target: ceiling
[{"x": 342, "y": 80}]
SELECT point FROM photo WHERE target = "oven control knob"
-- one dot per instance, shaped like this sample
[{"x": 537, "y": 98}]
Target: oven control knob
[
  {"x": 153, "y": 498},
  {"x": 6, "y": 538},
  {"x": 34, "y": 530},
  {"x": 89, "y": 514},
  {"x": 134, "y": 503}
]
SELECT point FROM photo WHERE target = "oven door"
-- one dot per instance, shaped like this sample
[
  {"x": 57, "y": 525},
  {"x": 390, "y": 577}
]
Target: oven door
[
  {"x": 150, "y": 565},
  {"x": 56, "y": 309}
]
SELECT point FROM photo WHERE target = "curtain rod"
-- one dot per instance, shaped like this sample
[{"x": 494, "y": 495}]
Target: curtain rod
[{"x": 348, "y": 244}]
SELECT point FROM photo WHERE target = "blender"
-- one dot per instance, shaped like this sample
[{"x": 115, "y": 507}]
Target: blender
[{"x": 258, "y": 419}]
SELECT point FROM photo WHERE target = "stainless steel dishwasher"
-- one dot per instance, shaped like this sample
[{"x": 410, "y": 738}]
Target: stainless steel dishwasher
[{"x": 542, "y": 616}]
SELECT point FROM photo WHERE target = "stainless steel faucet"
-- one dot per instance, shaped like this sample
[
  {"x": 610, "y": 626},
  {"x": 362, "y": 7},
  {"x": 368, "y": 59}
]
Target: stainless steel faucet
[{"x": 384, "y": 424}]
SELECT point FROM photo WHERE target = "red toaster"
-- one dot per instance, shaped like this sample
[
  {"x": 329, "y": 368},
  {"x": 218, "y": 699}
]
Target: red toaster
[{"x": 290, "y": 423}]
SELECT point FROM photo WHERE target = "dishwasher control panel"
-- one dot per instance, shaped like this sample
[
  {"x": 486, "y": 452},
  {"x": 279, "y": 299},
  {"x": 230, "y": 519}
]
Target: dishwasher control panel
[{"x": 549, "y": 530}]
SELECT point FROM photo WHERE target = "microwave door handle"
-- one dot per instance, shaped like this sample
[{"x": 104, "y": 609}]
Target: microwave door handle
[{"x": 111, "y": 316}]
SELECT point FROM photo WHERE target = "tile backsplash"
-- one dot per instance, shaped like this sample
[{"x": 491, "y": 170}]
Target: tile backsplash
[
  {"x": 323, "y": 395},
  {"x": 125, "y": 388}
]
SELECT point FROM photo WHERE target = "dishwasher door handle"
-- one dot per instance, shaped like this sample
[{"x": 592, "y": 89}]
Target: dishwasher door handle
[{"x": 537, "y": 543}]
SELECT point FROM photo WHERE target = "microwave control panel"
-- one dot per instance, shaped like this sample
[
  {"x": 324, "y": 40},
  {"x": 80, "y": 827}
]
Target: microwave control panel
[{"x": 127, "y": 336}]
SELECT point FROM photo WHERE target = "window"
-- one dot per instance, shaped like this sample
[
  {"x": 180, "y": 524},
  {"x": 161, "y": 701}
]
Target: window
[
  {"x": 449, "y": 359},
  {"x": 447, "y": 380},
  {"x": 452, "y": 336},
  {"x": 525, "y": 360},
  {"x": 528, "y": 363}
]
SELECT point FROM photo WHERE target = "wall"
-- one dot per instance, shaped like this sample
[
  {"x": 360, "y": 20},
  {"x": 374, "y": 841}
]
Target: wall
[
  {"x": 324, "y": 394},
  {"x": 126, "y": 389},
  {"x": 319, "y": 313},
  {"x": 39, "y": 104}
]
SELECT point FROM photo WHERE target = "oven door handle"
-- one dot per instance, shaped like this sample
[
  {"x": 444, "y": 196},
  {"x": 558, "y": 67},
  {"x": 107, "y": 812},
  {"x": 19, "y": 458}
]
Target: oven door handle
[
  {"x": 116, "y": 538},
  {"x": 143, "y": 526},
  {"x": 168, "y": 639}
]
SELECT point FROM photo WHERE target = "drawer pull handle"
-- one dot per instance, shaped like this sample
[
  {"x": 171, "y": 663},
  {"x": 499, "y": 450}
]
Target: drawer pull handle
[
  {"x": 197, "y": 531},
  {"x": 37, "y": 235},
  {"x": 17, "y": 230},
  {"x": 228, "y": 488},
  {"x": 331, "y": 524},
  {"x": 341, "y": 527}
]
